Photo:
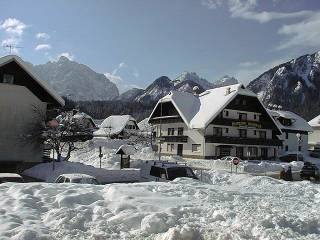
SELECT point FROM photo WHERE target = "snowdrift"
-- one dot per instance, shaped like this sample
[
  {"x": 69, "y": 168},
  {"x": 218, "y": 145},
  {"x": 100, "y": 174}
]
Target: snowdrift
[{"x": 230, "y": 207}]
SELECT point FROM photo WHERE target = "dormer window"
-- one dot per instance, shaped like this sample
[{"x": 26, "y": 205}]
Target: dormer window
[{"x": 8, "y": 78}]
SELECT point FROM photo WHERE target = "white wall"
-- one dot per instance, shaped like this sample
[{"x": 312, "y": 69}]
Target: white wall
[
  {"x": 292, "y": 143},
  {"x": 17, "y": 117},
  {"x": 314, "y": 138},
  {"x": 194, "y": 137}
]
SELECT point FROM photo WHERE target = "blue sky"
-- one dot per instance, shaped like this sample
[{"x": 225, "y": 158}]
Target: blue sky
[{"x": 135, "y": 41}]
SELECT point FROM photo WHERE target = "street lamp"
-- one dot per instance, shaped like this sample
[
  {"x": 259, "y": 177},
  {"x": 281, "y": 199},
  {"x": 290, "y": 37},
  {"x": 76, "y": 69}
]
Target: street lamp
[{"x": 298, "y": 142}]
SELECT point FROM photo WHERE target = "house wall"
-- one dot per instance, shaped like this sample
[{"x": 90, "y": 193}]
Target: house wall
[
  {"x": 314, "y": 138},
  {"x": 194, "y": 137},
  {"x": 17, "y": 119},
  {"x": 292, "y": 143}
]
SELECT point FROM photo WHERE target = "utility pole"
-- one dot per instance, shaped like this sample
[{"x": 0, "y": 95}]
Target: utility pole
[{"x": 160, "y": 133}]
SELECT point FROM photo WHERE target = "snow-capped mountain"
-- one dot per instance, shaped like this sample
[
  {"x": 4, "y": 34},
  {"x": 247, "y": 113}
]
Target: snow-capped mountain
[
  {"x": 76, "y": 81},
  {"x": 130, "y": 94},
  {"x": 294, "y": 85},
  {"x": 159, "y": 88},
  {"x": 184, "y": 82},
  {"x": 187, "y": 77},
  {"x": 225, "y": 81}
]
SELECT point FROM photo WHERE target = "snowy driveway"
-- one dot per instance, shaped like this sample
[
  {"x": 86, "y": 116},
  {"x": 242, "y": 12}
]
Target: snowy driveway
[{"x": 231, "y": 207}]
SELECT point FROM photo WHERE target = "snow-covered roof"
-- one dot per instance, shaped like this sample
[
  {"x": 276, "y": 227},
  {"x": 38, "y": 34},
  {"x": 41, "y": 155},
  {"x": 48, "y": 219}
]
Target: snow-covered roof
[
  {"x": 144, "y": 125},
  {"x": 315, "y": 122},
  {"x": 9, "y": 58},
  {"x": 126, "y": 150},
  {"x": 81, "y": 115},
  {"x": 298, "y": 123},
  {"x": 113, "y": 125},
  {"x": 198, "y": 111}
]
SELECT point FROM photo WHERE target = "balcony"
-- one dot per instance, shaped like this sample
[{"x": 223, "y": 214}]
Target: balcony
[
  {"x": 182, "y": 139},
  {"x": 243, "y": 123},
  {"x": 243, "y": 141}
]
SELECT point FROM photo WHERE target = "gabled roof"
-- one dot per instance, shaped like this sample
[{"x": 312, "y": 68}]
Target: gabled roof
[
  {"x": 113, "y": 125},
  {"x": 315, "y": 122},
  {"x": 298, "y": 123},
  {"x": 198, "y": 111},
  {"x": 10, "y": 58}
]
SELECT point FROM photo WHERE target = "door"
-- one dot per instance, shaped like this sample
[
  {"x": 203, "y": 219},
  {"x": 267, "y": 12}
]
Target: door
[
  {"x": 180, "y": 149},
  {"x": 239, "y": 152},
  {"x": 264, "y": 153}
]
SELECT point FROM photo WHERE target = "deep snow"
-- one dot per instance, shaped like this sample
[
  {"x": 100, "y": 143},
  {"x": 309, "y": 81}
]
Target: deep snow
[{"x": 229, "y": 206}]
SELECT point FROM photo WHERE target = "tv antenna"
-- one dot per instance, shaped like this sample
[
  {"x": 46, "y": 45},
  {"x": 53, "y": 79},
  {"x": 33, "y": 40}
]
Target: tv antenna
[{"x": 11, "y": 47}]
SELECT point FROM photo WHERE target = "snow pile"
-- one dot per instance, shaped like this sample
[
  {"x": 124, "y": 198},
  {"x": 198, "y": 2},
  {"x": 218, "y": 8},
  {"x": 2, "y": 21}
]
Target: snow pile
[
  {"x": 45, "y": 172},
  {"x": 230, "y": 207},
  {"x": 269, "y": 166}
]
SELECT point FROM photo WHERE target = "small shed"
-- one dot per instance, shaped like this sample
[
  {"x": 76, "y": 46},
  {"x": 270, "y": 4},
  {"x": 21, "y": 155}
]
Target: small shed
[{"x": 125, "y": 151}]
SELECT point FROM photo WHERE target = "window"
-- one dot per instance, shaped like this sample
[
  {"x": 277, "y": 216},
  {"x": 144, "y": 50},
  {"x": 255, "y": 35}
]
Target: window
[
  {"x": 244, "y": 102},
  {"x": 217, "y": 131},
  {"x": 262, "y": 134},
  {"x": 254, "y": 116},
  {"x": 237, "y": 102},
  {"x": 299, "y": 149},
  {"x": 170, "y": 147},
  {"x": 255, "y": 132},
  {"x": 227, "y": 130},
  {"x": 242, "y": 116},
  {"x": 287, "y": 148},
  {"x": 196, "y": 147},
  {"x": 8, "y": 78},
  {"x": 154, "y": 134},
  {"x": 287, "y": 135},
  {"x": 180, "y": 131},
  {"x": 252, "y": 151},
  {"x": 243, "y": 133},
  {"x": 227, "y": 113},
  {"x": 170, "y": 131}
]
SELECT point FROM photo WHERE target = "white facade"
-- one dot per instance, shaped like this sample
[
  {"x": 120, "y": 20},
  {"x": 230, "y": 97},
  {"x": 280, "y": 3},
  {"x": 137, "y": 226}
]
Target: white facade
[
  {"x": 209, "y": 133},
  {"x": 295, "y": 131},
  {"x": 314, "y": 137}
]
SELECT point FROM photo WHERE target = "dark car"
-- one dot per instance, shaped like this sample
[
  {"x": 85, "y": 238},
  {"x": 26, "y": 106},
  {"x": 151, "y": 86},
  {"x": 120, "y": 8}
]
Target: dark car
[
  {"x": 291, "y": 157},
  {"x": 309, "y": 171}
]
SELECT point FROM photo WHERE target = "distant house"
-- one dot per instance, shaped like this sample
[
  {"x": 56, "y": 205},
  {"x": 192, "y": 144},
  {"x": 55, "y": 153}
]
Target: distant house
[
  {"x": 25, "y": 101},
  {"x": 218, "y": 122},
  {"x": 292, "y": 124},
  {"x": 82, "y": 120},
  {"x": 117, "y": 126},
  {"x": 314, "y": 138}
]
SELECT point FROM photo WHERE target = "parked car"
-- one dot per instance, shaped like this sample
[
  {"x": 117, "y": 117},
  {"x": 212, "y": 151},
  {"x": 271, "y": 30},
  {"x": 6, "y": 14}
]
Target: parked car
[
  {"x": 10, "y": 177},
  {"x": 76, "y": 178},
  {"x": 291, "y": 157},
  {"x": 230, "y": 159},
  {"x": 315, "y": 154},
  {"x": 161, "y": 171},
  {"x": 309, "y": 171}
]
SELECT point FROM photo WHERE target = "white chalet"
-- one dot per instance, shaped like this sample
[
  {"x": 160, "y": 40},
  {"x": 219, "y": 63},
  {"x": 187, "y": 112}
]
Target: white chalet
[
  {"x": 292, "y": 124},
  {"x": 117, "y": 126},
  {"x": 314, "y": 138},
  {"x": 219, "y": 122}
]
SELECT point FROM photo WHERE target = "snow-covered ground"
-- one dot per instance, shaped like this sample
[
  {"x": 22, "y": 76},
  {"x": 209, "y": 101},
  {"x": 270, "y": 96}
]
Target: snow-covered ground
[{"x": 229, "y": 206}]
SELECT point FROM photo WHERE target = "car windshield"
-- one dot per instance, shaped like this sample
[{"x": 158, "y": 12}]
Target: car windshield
[
  {"x": 10, "y": 179},
  {"x": 85, "y": 180},
  {"x": 176, "y": 172}
]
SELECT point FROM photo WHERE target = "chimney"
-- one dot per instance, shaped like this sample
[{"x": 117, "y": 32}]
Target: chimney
[
  {"x": 228, "y": 90},
  {"x": 195, "y": 90}
]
